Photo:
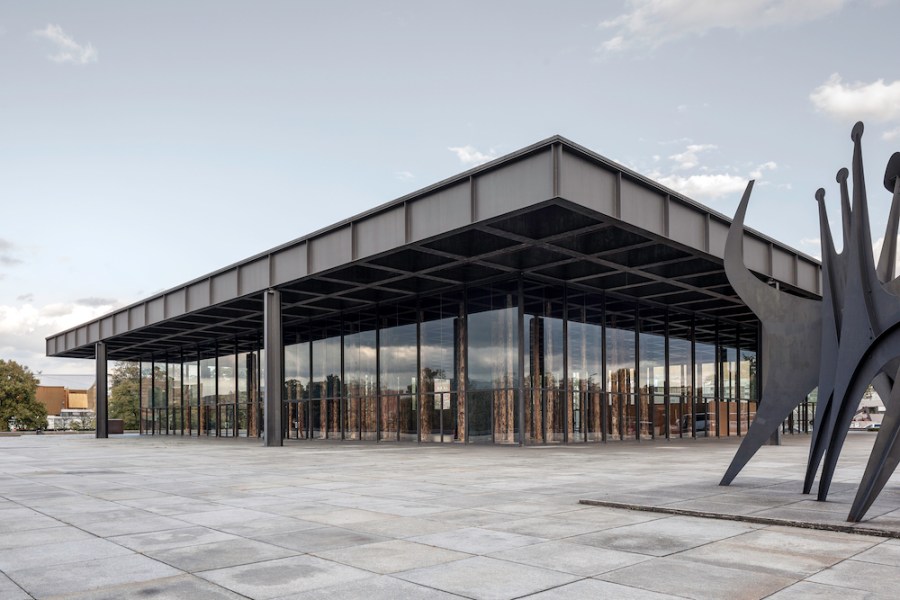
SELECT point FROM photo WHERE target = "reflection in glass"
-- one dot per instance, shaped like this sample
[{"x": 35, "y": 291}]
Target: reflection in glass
[
  {"x": 208, "y": 421},
  {"x": 226, "y": 391},
  {"x": 438, "y": 350},
  {"x": 191, "y": 398},
  {"x": 652, "y": 375},
  {"x": 324, "y": 416},
  {"x": 545, "y": 408},
  {"x": 296, "y": 389},
  {"x": 360, "y": 371},
  {"x": 493, "y": 366},
  {"x": 585, "y": 380},
  {"x": 680, "y": 382},
  {"x": 173, "y": 392},
  {"x": 705, "y": 417},
  {"x": 620, "y": 359},
  {"x": 398, "y": 381}
]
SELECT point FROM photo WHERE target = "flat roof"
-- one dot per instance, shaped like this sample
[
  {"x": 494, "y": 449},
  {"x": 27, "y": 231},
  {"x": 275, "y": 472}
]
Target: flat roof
[{"x": 555, "y": 210}]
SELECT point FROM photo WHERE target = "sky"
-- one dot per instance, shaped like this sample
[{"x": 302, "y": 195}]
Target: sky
[{"x": 144, "y": 144}]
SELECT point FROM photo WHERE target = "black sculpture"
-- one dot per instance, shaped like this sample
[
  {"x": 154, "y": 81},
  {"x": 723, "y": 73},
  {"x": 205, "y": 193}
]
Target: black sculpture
[{"x": 840, "y": 344}]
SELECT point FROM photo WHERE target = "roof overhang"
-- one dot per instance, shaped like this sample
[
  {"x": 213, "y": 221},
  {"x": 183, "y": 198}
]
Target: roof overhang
[{"x": 553, "y": 211}]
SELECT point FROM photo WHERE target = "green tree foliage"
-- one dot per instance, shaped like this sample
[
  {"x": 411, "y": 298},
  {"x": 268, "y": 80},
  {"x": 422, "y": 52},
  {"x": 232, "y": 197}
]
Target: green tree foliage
[
  {"x": 18, "y": 393},
  {"x": 124, "y": 394}
]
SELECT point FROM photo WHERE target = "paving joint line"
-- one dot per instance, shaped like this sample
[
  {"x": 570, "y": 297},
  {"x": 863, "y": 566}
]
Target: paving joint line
[{"x": 836, "y": 527}]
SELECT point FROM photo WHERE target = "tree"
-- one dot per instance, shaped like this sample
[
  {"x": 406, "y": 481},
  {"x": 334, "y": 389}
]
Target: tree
[
  {"x": 124, "y": 394},
  {"x": 18, "y": 397}
]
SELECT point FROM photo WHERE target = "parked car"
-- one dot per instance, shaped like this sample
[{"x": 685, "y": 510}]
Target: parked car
[{"x": 702, "y": 423}]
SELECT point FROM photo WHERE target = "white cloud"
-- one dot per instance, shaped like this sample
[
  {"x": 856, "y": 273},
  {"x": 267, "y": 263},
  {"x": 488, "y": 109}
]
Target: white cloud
[
  {"x": 469, "y": 156},
  {"x": 689, "y": 159},
  {"x": 707, "y": 186},
  {"x": 67, "y": 49},
  {"x": 705, "y": 182},
  {"x": 891, "y": 134},
  {"x": 652, "y": 23},
  {"x": 23, "y": 329},
  {"x": 858, "y": 101},
  {"x": 404, "y": 176},
  {"x": 757, "y": 173}
]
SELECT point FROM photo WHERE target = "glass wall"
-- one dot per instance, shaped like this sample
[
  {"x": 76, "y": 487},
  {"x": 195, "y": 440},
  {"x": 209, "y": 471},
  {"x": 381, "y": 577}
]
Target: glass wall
[
  {"x": 493, "y": 364},
  {"x": 706, "y": 401},
  {"x": 208, "y": 413},
  {"x": 516, "y": 361},
  {"x": 546, "y": 417},
  {"x": 728, "y": 379},
  {"x": 226, "y": 390},
  {"x": 398, "y": 353},
  {"x": 173, "y": 393},
  {"x": 325, "y": 387},
  {"x": 749, "y": 384},
  {"x": 681, "y": 375},
  {"x": 438, "y": 349},
  {"x": 361, "y": 373},
  {"x": 191, "y": 397},
  {"x": 621, "y": 407},
  {"x": 652, "y": 373},
  {"x": 585, "y": 344},
  {"x": 296, "y": 389}
]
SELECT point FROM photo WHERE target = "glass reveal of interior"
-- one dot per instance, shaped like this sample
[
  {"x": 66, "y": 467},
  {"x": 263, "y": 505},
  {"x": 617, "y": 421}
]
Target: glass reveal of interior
[{"x": 515, "y": 361}]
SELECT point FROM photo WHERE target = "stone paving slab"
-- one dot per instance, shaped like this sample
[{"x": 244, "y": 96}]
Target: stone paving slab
[
  {"x": 170, "y": 588},
  {"x": 42, "y": 582},
  {"x": 275, "y": 578},
  {"x": 218, "y": 555},
  {"x": 693, "y": 580},
  {"x": 566, "y": 557},
  {"x": 392, "y": 556},
  {"x": 486, "y": 578},
  {"x": 374, "y": 588},
  {"x": 171, "y": 518}
]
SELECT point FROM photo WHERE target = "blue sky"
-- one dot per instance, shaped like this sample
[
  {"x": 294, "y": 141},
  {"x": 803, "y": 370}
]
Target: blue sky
[{"x": 145, "y": 144}]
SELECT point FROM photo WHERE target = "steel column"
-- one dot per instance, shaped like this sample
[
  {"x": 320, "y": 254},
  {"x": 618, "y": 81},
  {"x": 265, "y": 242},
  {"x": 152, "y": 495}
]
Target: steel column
[
  {"x": 274, "y": 351},
  {"x": 102, "y": 428}
]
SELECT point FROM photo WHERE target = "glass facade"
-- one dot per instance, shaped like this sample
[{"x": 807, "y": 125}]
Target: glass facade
[
  {"x": 510, "y": 362},
  {"x": 215, "y": 396}
]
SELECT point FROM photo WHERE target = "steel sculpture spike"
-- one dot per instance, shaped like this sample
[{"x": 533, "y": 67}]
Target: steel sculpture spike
[
  {"x": 870, "y": 310},
  {"x": 849, "y": 339},
  {"x": 833, "y": 272},
  {"x": 791, "y": 334},
  {"x": 833, "y": 281},
  {"x": 885, "y": 454}
]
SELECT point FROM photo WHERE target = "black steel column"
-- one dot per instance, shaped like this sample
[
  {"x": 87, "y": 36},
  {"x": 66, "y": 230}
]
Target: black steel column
[
  {"x": 738, "y": 391},
  {"x": 343, "y": 401},
  {"x": 567, "y": 388},
  {"x": 604, "y": 404},
  {"x": 637, "y": 371},
  {"x": 694, "y": 379},
  {"x": 377, "y": 374},
  {"x": 274, "y": 349},
  {"x": 520, "y": 391},
  {"x": 102, "y": 428},
  {"x": 667, "y": 387},
  {"x": 717, "y": 380},
  {"x": 417, "y": 396}
]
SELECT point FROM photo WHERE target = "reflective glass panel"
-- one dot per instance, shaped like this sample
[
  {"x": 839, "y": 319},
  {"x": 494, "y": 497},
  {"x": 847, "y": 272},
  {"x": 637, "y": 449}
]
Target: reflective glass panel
[
  {"x": 438, "y": 333},
  {"x": 620, "y": 370},
  {"x": 493, "y": 364},
  {"x": 652, "y": 374}
]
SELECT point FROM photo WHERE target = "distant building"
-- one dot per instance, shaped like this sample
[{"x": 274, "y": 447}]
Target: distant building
[{"x": 70, "y": 400}]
